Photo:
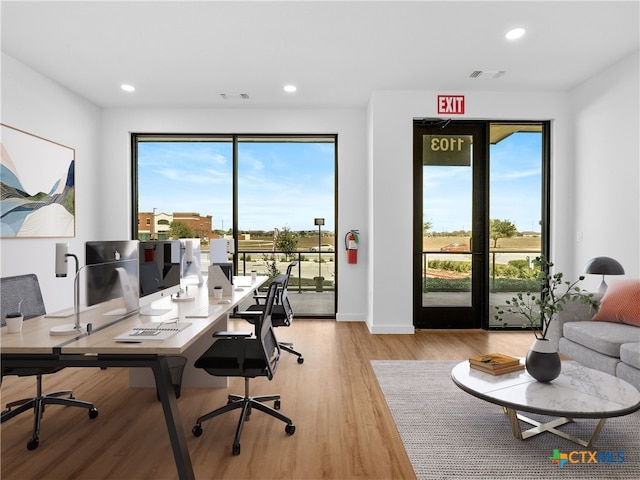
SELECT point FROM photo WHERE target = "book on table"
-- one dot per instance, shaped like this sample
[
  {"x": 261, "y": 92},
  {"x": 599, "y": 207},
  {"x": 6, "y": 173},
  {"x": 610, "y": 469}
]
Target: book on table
[
  {"x": 494, "y": 361},
  {"x": 497, "y": 371}
]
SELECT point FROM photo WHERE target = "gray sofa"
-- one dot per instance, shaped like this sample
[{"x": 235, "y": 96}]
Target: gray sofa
[{"x": 610, "y": 347}]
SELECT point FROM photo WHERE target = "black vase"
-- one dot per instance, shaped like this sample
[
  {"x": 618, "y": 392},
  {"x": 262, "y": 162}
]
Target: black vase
[{"x": 543, "y": 361}]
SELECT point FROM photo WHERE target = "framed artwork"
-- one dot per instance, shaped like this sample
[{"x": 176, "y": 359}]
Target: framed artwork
[{"x": 38, "y": 186}]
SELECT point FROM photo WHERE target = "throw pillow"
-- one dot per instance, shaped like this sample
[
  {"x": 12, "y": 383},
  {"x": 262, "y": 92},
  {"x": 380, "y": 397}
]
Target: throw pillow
[{"x": 621, "y": 303}]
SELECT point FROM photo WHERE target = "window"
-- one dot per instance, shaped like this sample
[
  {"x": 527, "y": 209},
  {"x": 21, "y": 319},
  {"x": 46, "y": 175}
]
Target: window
[{"x": 262, "y": 190}]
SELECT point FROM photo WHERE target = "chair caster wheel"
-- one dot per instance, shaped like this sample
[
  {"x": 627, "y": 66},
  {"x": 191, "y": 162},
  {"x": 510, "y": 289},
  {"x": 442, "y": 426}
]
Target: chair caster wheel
[
  {"x": 33, "y": 443},
  {"x": 300, "y": 360},
  {"x": 276, "y": 404},
  {"x": 290, "y": 429},
  {"x": 196, "y": 430},
  {"x": 93, "y": 413},
  {"x": 236, "y": 449}
]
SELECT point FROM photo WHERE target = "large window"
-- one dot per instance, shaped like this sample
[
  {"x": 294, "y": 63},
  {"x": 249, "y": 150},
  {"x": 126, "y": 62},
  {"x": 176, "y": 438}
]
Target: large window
[{"x": 264, "y": 191}]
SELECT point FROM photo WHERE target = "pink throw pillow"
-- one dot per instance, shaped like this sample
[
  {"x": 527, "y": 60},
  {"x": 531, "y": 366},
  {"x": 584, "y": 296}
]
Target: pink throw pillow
[{"x": 621, "y": 303}]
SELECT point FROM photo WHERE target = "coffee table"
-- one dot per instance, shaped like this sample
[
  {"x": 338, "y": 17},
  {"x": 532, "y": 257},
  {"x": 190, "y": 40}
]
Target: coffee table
[{"x": 579, "y": 392}]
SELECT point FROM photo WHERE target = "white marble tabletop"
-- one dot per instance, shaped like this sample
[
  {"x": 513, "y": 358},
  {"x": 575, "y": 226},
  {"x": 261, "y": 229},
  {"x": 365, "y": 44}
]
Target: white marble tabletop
[{"x": 578, "y": 392}]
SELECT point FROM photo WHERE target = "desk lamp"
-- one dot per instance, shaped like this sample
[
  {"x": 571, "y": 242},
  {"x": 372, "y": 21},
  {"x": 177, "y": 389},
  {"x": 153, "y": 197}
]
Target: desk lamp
[
  {"x": 603, "y": 266},
  {"x": 62, "y": 252}
]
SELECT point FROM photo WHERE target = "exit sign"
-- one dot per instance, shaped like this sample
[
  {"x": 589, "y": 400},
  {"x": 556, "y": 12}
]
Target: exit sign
[{"x": 451, "y": 104}]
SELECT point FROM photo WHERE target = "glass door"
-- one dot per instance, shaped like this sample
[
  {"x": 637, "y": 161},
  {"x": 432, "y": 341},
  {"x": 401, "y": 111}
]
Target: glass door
[
  {"x": 481, "y": 215},
  {"x": 450, "y": 224}
]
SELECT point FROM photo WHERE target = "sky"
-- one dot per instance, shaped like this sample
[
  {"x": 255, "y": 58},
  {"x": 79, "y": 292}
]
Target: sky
[
  {"x": 289, "y": 184},
  {"x": 279, "y": 184},
  {"x": 515, "y": 187}
]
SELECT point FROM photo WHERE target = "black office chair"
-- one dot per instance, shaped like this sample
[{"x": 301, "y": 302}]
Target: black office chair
[
  {"x": 282, "y": 311},
  {"x": 26, "y": 288},
  {"x": 240, "y": 354}
]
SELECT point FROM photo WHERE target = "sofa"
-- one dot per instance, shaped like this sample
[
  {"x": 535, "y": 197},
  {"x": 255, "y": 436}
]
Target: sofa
[{"x": 608, "y": 341}]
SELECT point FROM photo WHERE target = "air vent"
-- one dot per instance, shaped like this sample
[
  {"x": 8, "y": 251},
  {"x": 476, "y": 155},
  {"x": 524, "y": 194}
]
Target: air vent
[
  {"x": 487, "y": 73},
  {"x": 235, "y": 96}
]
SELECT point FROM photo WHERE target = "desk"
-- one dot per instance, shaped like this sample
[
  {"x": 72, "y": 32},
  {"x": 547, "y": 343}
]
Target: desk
[{"x": 34, "y": 347}]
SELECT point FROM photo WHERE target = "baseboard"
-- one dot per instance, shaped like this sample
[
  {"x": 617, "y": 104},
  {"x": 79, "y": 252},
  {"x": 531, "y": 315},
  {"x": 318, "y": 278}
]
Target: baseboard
[
  {"x": 350, "y": 317},
  {"x": 392, "y": 329}
]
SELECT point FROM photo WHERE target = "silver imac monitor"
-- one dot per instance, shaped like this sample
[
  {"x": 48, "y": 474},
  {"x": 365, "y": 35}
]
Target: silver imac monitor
[
  {"x": 159, "y": 273},
  {"x": 191, "y": 257},
  {"x": 112, "y": 272}
]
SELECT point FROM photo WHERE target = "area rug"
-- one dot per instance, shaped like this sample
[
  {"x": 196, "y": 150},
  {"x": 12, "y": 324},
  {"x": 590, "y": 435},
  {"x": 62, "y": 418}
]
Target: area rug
[{"x": 449, "y": 434}]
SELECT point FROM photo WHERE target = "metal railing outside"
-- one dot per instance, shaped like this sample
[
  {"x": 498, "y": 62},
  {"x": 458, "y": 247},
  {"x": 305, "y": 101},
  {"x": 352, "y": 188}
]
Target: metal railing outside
[{"x": 305, "y": 276}]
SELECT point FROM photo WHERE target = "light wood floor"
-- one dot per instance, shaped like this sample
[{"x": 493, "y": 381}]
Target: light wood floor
[{"x": 343, "y": 427}]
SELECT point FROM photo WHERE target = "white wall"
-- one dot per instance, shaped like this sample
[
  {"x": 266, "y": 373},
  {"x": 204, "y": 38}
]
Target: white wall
[
  {"x": 607, "y": 172},
  {"x": 391, "y": 115},
  {"x": 349, "y": 124},
  {"x": 35, "y": 104},
  {"x": 375, "y": 172}
]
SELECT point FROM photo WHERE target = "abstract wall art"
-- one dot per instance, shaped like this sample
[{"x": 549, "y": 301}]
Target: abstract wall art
[{"x": 37, "y": 186}]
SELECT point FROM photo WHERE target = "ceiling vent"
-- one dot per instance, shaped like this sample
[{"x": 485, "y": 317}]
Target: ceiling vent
[
  {"x": 487, "y": 73},
  {"x": 235, "y": 96}
]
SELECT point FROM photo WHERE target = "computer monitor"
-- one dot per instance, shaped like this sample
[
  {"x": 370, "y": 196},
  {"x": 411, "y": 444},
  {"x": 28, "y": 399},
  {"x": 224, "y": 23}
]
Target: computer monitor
[
  {"x": 190, "y": 262},
  {"x": 112, "y": 272},
  {"x": 159, "y": 273}
]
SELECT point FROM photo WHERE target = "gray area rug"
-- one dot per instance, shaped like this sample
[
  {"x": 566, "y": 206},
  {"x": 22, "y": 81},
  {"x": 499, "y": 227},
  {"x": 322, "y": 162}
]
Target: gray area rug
[{"x": 449, "y": 434}]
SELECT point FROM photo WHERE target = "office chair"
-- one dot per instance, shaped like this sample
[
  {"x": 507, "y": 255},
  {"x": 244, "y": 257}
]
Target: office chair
[
  {"x": 12, "y": 291},
  {"x": 240, "y": 354},
  {"x": 282, "y": 315}
]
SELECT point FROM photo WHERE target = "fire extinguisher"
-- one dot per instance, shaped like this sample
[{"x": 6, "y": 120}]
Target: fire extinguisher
[{"x": 351, "y": 245}]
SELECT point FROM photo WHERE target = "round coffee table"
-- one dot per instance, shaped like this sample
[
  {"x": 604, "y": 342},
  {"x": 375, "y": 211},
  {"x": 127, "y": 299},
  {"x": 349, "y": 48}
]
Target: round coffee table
[{"x": 579, "y": 392}]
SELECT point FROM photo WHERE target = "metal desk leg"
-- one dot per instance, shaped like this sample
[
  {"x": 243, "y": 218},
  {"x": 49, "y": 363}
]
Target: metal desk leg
[{"x": 172, "y": 417}]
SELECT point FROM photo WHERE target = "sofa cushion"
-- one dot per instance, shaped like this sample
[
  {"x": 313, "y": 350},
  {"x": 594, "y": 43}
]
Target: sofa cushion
[
  {"x": 588, "y": 357},
  {"x": 621, "y": 303},
  {"x": 628, "y": 374},
  {"x": 603, "y": 337},
  {"x": 630, "y": 353}
]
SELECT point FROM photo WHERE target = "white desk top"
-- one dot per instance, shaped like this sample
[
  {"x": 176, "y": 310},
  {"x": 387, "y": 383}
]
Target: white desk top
[
  {"x": 35, "y": 337},
  {"x": 578, "y": 392}
]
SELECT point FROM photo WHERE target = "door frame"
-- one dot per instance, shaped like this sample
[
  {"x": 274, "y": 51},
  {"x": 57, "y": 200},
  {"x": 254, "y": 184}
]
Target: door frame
[
  {"x": 454, "y": 317},
  {"x": 481, "y": 245}
]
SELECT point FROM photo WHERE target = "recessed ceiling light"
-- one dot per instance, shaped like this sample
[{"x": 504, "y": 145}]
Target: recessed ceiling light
[
  {"x": 290, "y": 88},
  {"x": 127, "y": 88},
  {"x": 515, "y": 33}
]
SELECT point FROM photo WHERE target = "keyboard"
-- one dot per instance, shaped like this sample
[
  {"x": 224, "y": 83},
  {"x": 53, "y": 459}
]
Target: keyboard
[
  {"x": 202, "y": 311},
  {"x": 159, "y": 331}
]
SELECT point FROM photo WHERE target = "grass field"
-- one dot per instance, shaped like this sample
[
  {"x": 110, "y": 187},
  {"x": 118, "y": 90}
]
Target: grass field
[
  {"x": 504, "y": 244},
  {"x": 430, "y": 243}
]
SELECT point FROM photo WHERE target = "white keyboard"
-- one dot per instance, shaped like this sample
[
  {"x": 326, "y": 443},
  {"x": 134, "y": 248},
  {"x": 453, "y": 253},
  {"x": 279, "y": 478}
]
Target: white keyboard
[{"x": 152, "y": 332}]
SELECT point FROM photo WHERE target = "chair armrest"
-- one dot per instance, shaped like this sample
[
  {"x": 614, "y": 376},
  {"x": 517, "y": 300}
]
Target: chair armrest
[
  {"x": 230, "y": 334},
  {"x": 250, "y": 313},
  {"x": 260, "y": 298}
]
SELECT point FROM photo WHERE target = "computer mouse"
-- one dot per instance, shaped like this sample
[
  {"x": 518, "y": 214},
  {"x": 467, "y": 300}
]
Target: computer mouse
[{"x": 224, "y": 301}]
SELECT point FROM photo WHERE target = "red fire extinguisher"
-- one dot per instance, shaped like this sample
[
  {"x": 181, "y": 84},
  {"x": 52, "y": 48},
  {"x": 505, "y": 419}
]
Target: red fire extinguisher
[{"x": 351, "y": 245}]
